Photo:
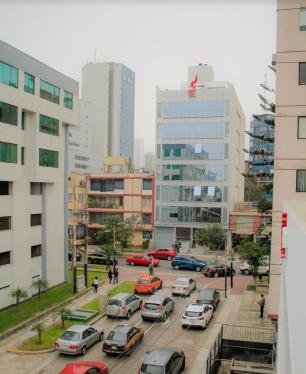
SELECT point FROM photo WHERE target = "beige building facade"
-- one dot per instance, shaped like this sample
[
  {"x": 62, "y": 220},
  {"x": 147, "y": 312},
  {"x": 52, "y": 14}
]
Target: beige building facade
[{"x": 290, "y": 129}]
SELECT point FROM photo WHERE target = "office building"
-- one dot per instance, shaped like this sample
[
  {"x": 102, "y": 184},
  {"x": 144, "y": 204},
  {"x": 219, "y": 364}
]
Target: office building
[
  {"x": 199, "y": 156},
  {"x": 139, "y": 154},
  {"x": 290, "y": 128},
  {"x": 38, "y": 105},
  {"x": 149, "y": 162}
]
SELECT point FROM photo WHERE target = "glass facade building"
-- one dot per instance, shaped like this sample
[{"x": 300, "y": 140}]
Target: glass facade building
[{"x": 8, "y": 75}]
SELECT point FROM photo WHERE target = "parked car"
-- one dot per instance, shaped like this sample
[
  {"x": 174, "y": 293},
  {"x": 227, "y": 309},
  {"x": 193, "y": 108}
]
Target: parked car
[
  {"x": 183, "y": 286},
  {"x": 157, "y": 307},
  {"x": 123, "y": 305},
  {"x": 197, "y": 315},
  {"x": 78, "y": 256},
  {"x": 163, "y": 253},
  {"x": 141, "y": 259},
  {"x": 209, "y": 296},
  {"x": 245, "y": 268},
  {"x": 188, "y": 263},
  {"x": 77, "y": 339},
  {"x": 148, "y": 284},
  {"x": 163, "y": 361},
  {"x": 122, "y": 339},
  {"x": 99, "y": 258},
  {"x": 85, "y": 367},
  {"x": 217, "y": 270}
]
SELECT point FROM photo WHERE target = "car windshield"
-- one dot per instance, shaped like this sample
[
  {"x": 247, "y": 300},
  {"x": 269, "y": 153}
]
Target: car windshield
[
  {"x": 205, "y": 295},
  {"x": 114, "y": 302},
  {"x": 193, "y": 314},
  {"x": 181, "y": 282},
  {"x": 72, "y": 336},
  {"x": 151, "y": 306},
  {"x": 152, "y": 369},
  {"x": 143, "y": 281},
  {"x": 117, "y": 335}
]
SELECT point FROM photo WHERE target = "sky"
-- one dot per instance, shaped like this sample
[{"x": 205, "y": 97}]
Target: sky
[{"x": 157, "y": 39}]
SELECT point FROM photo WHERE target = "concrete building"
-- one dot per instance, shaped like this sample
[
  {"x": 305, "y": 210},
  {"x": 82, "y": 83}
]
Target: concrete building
[
  {"x": 199, "y": 156},
  {"x": 149, "y": 162},
  {"x": 290, "y": 129},
  {"x": 109, "y": 90},
  {"x": 139, "y": 154},
  {"x": 37, "y": 107}
]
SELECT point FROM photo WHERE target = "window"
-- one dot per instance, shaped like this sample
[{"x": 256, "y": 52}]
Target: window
[
  {"x": 190, "y": 214},
  {"x": 48, "y": 158},
  {"x": 193, "y": 151},
  {"x": 5, "y": 223},
  {"x": 302, "y": 73},
  {"x": 301, "y": 181},
  {"x": 81, "y": 198},
  {"x": 35, "y": 219},
  {"x": 303, "y": 19},
  {"x": 36, "y": 188},
  {"x": 147, "y": 184},
  {"x": 35, "y": 250},
  {"x": 147, "y": 235},
  {"x": 147, "y": 219},
  {"x": 70, "y": 198},
  {"x": 211, "y": 130},
  {"x": 302, "y": 128},
  {"x": 8, "y": 152},
  {"x": 48, "y": 125},
  {"x": 8, "y": 113},
  {"x": 22, "y": 120},
  {"x": 8, "y": 75},
  {"x": 191, "y": 109},
  {"x": 5, "y": 258},
  {"x": 203, "y": 172},
  {"x": 49, "y": 92},
  {"x": 68, "y": 100},
  {"x": 4, "y": 188},
  {"x": 22, "y": 155},
  {"x": 29, "y": 83}
]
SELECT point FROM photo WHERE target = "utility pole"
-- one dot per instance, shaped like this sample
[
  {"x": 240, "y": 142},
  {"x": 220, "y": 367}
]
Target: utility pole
[
  {"x": 114, "y": 245},
  {"x": 230, "y": 247},
  {"x": 74, "y": 236},
  {"x": 83, "y": 185}
]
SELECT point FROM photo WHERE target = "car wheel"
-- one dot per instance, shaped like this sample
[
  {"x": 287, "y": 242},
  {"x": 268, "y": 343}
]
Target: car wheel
[
  {"x": 169, "y": 258},
  {"x": 216, "y": 275},
  {"x": 165, "y": 317},
  {"x": 128, "y": 316},
  {"x": 176, "y": 267},
  {"x": 205, "y": 325},
  {"x": 152, "y": 291},
  {"x": 183, "y": 365},
  {"x": 198, "y": 268},
  {"x": 246, "y": 272},
  {"x": 83, "y": 350},
  {"x": 161, "y": 285},
  {"x": 140, "y": 305},
  {"x": 132, "y": 263},
  {"x": 101, "y": 337}
]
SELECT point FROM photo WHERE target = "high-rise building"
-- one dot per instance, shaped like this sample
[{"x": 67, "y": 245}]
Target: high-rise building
[
  {"x": 108, "y": 91},
  {"x": 290, "y": 128},
  {"x": 199, "y": 156},
  {"x": 149, "y": 162},
  {"x": 139, "y": 154},
  {"x": 38, "y": 105}
]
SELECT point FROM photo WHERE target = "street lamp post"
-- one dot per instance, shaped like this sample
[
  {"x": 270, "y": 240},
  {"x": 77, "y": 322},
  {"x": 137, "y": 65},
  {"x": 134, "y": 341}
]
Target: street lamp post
[
  {"x": 74, "y": 236},
  {"x": 85, "y": 221},
  {"x": 114, "y": 247}
]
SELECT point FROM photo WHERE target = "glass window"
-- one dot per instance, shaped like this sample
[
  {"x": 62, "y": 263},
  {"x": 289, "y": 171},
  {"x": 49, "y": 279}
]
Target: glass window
[
  {"x": 193, "y": 172},
  {"x": 301, "y": 181},
  {"x": 106, "y": 185},
  {"x": 68, "y": 100},
  {"x": 48, "y": 125},
  {"x": 49, "y": 92},
  {"x": 36, "y": 188},
  {"x": 5, "y": 258},
  {"x": 190, "y": 214},
  {"x": 22, "y": 120},
  {"x": 302, "y": 79},
  {"x": 8, "y": 113},
  {"x": 102, "y": 217},
  {"x": 147, "y": 184},
  {"x": 29, "y": 83},
  {"x": 4, "y": 188},
  {"x": 191, "y": 193},
  {"x": 302, "y": 127},
  {"x": 211, "y": 130},
  {"x": 303, "y": 19},
  {"x": 48, "y": 158},
  {"x": 147, "y": 235},
  {"x": 8, "y": 152},
  {"x": 193, "y": 109},
  {"x": 147, "y": 219},
  {"x": 35, "y": 219},
  {"x": 35, "y": 250},
  {"x": 193, "y": 151},
  {"x": 8, "y": 75},
  {"x": 5, "y": 223},
  {"x": 22, "y": 155}
]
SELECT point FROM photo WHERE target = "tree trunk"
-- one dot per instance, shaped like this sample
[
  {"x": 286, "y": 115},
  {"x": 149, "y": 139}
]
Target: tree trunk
[
  {"x": 17, "y": 304},
  {"x": 39, "y": 337},
  {"x": 39, "y": 290},
  {"x": 63, "y": 322}
]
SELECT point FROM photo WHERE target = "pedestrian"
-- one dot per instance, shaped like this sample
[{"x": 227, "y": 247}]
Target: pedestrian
[
  {"x": 151, "y": 268},
  {"x": 110, "y": 276},
  {"x": 95, "y": 284},
  {"x": 116, "y": 274},
  {"x": 261, "y": 302}
]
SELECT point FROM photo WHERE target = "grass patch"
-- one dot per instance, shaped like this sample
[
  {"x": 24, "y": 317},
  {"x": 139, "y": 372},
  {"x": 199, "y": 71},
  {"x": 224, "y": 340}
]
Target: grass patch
[
  {"x": 93, "y": 305},
  {"x": 126, "y": 286},
  {"x": 251, "y": 287},
  {"x": 91, "y": 276}
]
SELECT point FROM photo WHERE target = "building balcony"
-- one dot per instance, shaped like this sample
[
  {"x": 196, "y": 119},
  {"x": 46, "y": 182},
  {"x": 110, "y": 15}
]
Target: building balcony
[
  {"x": 106, "y": 193},
  {"x": 109, "y": 210}
]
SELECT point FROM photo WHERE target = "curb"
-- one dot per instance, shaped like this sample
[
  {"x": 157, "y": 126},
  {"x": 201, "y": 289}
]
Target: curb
[{"x": 17, "y": 351}]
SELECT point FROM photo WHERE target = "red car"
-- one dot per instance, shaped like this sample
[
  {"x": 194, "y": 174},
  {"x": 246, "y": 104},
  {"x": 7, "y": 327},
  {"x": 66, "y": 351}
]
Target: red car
[
  {"x": 141, "y": 259},
  {"x": 163, "y": 253},
  {"x": 85, "y": 367}
]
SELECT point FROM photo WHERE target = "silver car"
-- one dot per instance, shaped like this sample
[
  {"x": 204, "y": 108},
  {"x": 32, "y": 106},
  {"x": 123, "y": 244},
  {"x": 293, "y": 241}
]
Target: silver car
[
  {"x": 163, "y": 361},
  {"x": 78, "y": 338},
  {"x": 123, "y": 305},
  {"x": 157, "y": 307},
  {"x": 183, "y": 286}
]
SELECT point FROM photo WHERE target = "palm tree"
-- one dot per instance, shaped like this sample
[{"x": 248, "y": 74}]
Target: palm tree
[
  {"x": 39, "y": 328},
  {"x": 64, "y": 314},
  {"x": 40, "y": 284},
  {"x": 18, "y": 294}
]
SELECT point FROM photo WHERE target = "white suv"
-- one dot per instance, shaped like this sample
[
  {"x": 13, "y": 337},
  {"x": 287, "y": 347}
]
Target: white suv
[
  {"x": 245, "y": 268},
  {"x": 197, "y": 315}
]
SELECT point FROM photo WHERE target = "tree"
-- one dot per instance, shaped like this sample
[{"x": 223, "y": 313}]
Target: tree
[
  {"x": 264, "y": 205},
  {"x": 253, "y": 191},
  {"x": 18, "y": 294},
  {"x": 39, "y": 328},
  {"x": 253, "y": 253},
  {"x": 40, "y": 284},
  {"x": 212, "y": 236},
  {"x": 64, "y": 315}
]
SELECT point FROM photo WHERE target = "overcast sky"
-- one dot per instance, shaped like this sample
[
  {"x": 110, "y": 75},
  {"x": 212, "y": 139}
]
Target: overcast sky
[{"x": 156, "y": 39}]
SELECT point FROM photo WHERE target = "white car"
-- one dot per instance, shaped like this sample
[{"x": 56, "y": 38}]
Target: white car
[
  {"x": 245, "y": 268},
  {"x": 183, "y": 286},
  {"x": 197, "y": 315}
]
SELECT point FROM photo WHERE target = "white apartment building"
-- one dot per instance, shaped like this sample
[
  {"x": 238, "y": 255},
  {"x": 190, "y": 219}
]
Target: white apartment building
[
  {"x": 109, "y": 92},
  {"x": 199, "y": 156},
  {"x": 37, "y": 107},
  {"x": 139, "y": 154},
  {"x": 290, "y": 128}
]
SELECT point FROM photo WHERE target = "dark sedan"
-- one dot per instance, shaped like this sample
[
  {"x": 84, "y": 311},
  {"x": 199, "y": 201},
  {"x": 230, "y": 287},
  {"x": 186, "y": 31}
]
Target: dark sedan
[
  {"x": 217, "y": 270},
  {"x": 100, "y": 258},
  {"x": 78, "y": 256}
]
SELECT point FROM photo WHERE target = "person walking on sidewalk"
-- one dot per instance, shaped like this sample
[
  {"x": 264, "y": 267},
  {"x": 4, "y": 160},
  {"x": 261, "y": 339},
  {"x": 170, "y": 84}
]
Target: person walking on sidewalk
[
  {"x": 110, "y": 276},
  {"x": 261, "y": 302},
  {"x": 151, "y": 269},
  {"x": 96, "y": 284},
  {"x": 116, "y": 275}
]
